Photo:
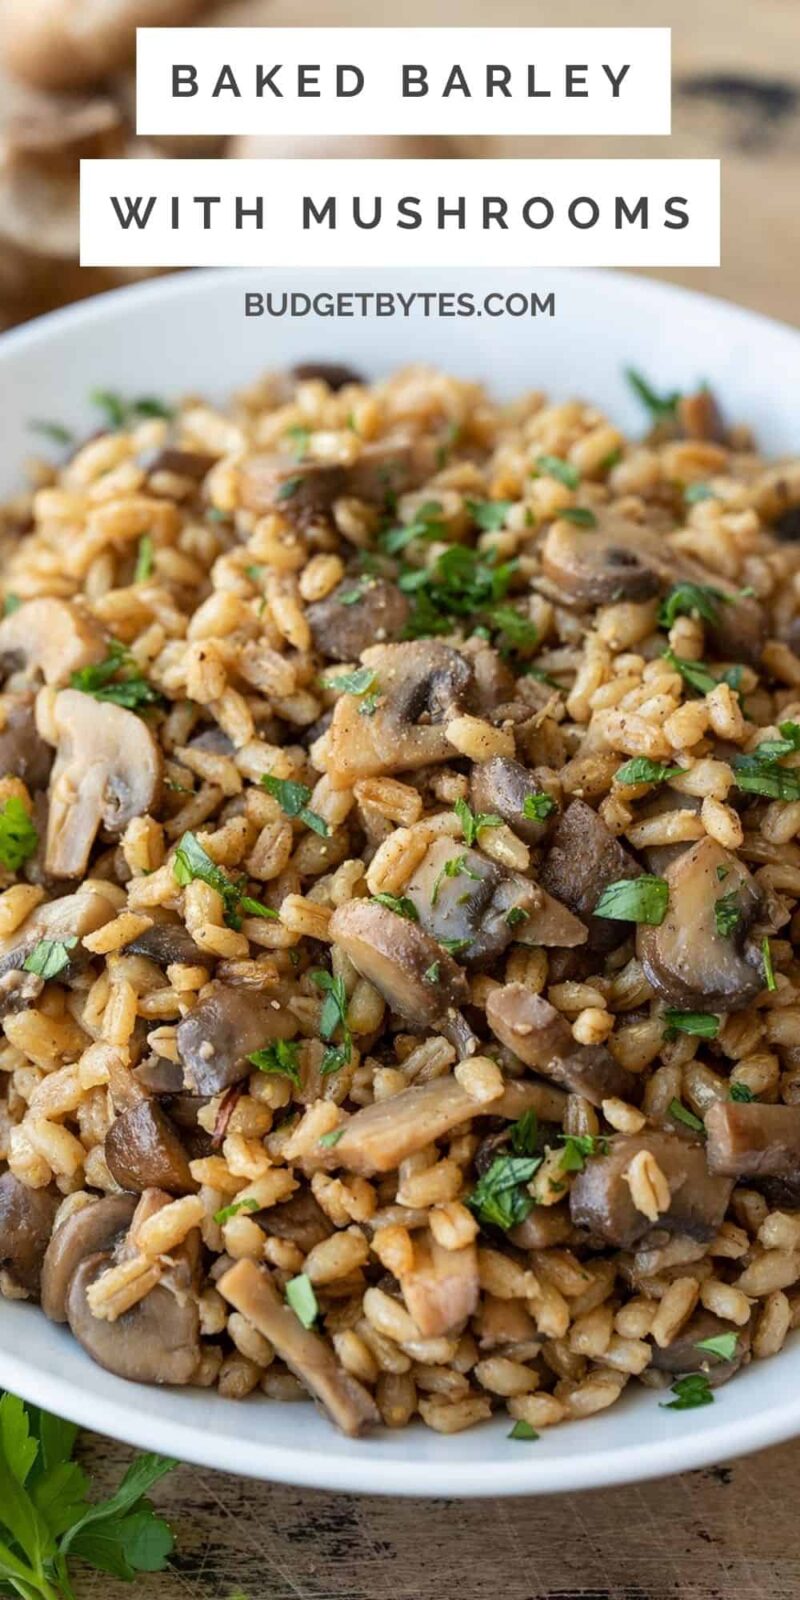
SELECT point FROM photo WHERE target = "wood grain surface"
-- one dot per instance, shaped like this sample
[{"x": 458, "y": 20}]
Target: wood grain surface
[{"x": 730, "y": 1533}]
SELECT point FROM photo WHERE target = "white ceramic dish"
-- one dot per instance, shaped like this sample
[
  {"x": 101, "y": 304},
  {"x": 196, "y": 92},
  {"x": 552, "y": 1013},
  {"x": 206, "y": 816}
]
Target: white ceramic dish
[{"x": 189, "y": 333}]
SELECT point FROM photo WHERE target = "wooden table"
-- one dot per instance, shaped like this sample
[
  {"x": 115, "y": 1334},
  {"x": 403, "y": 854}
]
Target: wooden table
[{"x": 729, "y": 1532}]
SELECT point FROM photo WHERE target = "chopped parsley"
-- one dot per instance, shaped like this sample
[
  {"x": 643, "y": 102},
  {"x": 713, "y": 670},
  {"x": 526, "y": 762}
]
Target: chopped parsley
[
  {"x": 369, "y": 704},
  {"x": 289, "y": 488},
  {"x": 500, "y": 1198},
  {"x": 357, "y": 682},
  {"x": 699, "y": 677},
  {"x": 727, "y": 913},
  {"x": 538, "y": 807},
  {"x": 695, "y": 492},
  {"x": 18, "y": 834},
  {"x": 191, "y": 861},
  {"x": 556, "y": 467},
  {"x": 293, "y": 799},
  {"x": 11, "y": 604},
  {"x": 144, "y": 560},
  {"x": 454, "y": 947},
  {"x": 516, "y": 631},
  {"x": 431, "y": 973},
  {"x": 721, "y": 1344},
  {"x": 472, "y": 821},
  {"x": 523, "y": 1430},
  {"x": 456, "y": 867},
  {"x": 525, "y": 1134},
  {"x": 50, "y": 957},
  {"x": 681, "y": 1113},
  {"x": 516, "y": 916},
  {"x": 578, "y": 1148},
  {"x": 279, "y": 1060},
  {"x": 117, "y": 680},
  {"x": 660, "y": 406},
  {"x": 740, "y": 1093},
  {"x": 686, "y": 598},
  {"x": 399, "y": 904},
  {"x": 691, "y": 1391},
  {"x": 54, "y": 431},
  {"x": 234, "y": 1210},
  {"x": 489, "y": 514},
  {"x": 426, "y": 524},
  {"x": 580, "y": 516},
  {"x": 642, "y": 770},
  {"x": 301, "y": 1298},
  {"x": 301, "y": 438},
  {"x": 120, "y": 413},
  {"x": 643, "y": 899},
  {"x": 333, "y": 1016},
  {"x": 701, "y": 1023},
  {"x": 769, "y": 971},
  {"x": 328, "y": 1140},
  {"x": 760, "y": 772},
  {"x": 459, "y": 583}
]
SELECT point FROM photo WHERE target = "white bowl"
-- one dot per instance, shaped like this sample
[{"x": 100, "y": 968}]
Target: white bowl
[{"x": 189, "y": 333}]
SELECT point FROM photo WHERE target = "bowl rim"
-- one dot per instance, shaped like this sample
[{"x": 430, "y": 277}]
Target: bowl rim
[{"x": 345, "y": 1466}]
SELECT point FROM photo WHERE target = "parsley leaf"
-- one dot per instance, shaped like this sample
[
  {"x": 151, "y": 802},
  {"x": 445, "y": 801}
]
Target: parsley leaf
[
  {"x": 426, "y": 524},
  {"x": 522, "y": 1430},
  {"x": 701, "y": 1023},
  {"x": 695, "y": 492},
  {"x": 685, "y": 598},
  {"x": 116, "y": 679},
  {"x": 580, "y": 516},
  {"x": 328, "y": 1140},
  {"x": 302, "y": 1299},
  {"x": 279, "y": 1060},
  {"x": 18, "y": 834},
  {"x": 289, "y": 488},
  {"x": 642, "y": 770},
  {"x": 472, "y": 821},
  {"x": 489, "y": 514},
  {"x": 454, "y": 947},
  {"x": 537, "y": 807},
  {"x": 643, "y": 899},
  {"x": 357, "y": 682},
  {"x": 721, "y": 1344},
  {"x": 517, "y": 632},
  {"x": 659, "y": 406},
  {"x": 301, "y": 438},
  {"x": 769, "y": 971},
  {"x": 500, "y": 1198},
  {"x": 691, "y": 1391},
  {"x": 556, "y": 467},
  {"x": 741, "y": 1093},
  {"x": 144, "y": 560},
  {"x": 11, "y": 604},
  {"x": 460, "y": 583},
  {"x": 431, "y": 973},
  {"x": 237, "y": 1206},
  {"x": 760, "y": 773},
  {"x": 333, "y": 1016},
  {"x": 293, "y": 798},
  {"x": 578, "y": 1147},
  {"x": 456, "y": 867},
  {"x": 727, "y": 913},
  {"x": 524, "y": 1134},
  {"x": 50, "y": 957},
  {"x": 121, "y": 413},
  {"x": 191, "y": 861},
  {"x": 699, "y": 677},
  {"x": 399, "y": 904},
  {"x": 55, "y": 431},
  {"x": 681, "y": 1113}
]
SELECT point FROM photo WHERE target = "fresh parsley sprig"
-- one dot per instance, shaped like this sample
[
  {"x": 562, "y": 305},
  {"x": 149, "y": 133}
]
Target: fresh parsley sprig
[
  {"x": 293, "y": 799},
  {"x": 191, "y": 861},
  {"x": 117, "y": 679},
  {"x": 19, "y": 836}
]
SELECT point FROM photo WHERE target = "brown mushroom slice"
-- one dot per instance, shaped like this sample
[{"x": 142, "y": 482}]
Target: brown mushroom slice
[
  {"x": 358, "y": 613},
  {"x": 58, "y": 46},
  {"x": 194, "y": 464},
  {"x": 26, "y": 1222},
  {"x": 683, "y": 1355},
  {"x": 336, "y": 374},
  {"x": 52, "y": 637},
  {"x": 143, "y": 1151},
  {"x": 97, "y": 1227},
  {"x": 158, "y": 1075},
  {"x": 753, "y": 1140},
  {"x": 600, "y": 1198},
  {"x": 302, "y": 490},
  {"x": 107, "y": 771},
  {"x": 216, "y": 1038},
  {"x": 421, "y": 684},
  {"x": 553, "y": 925},
  {"x": 461, "y": 895},
  {"x": 23, "y": 752},
  {"x": 442, "y": 1289},
  {"x": 688, "y": 959},
  {"x": 582, "y": 860},
  {"x": 598, "y": 565},
  {"x": 382, "y": 1135},
  {"x": 157, "y": 1341},
  {"x": 251, "y": 1291},
  {"x": 299, "y": 1219},
  {"x": 543, "y": 1039},
  {"x": 416, "y": 977},
  {"x": 545, "y": 1228},
  {"x": 698, "y": 417},
  {"x": 500, "y": 787},
  {"x": 167, "y": 943}
]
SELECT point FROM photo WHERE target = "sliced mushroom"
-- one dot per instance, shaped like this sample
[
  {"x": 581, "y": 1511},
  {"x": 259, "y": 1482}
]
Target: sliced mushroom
[
  {"x": 26, "y": 1222},
  {"x": 143, "y": 1151},
  {"x": 459, "y": 894},
  {"x": 595, "y": 566},
  {"x": 107, "y": 771},
  {"x": 545, "y": 1228},
  {"x": 303, "y": 490},
  {"x": 98, "y": 1226},
  {"x": 72, "y": 916},
  {"x": 157, "y": 1341},
  {"x": 583, "y": 859},
  {"x": 251, "y": 1290},
  {"x": 551, "y": 924},
  {"x": 194, "y": 464},
  {"x": 58, "y": 46},
  {"x": 688, "y": 959},
  {"x": 52, "y": 637},
  {"x": 23, "y": 752},
  {"x": 441, "y": 1291},
  {"x": 300, "y": 1220},
  {"x": 358, "y": 613},
  {"x": 683, "y": 1354},
  {"x": 421, "y": 685},
  {"x": 601, "y": 1201},
  {"x": 167, "y": 944},
  {"x": 216, "y": 1038},
  {"x": 698, "y": 417},
  {"x": 753, "y": 1140},
  {"x": 416, "y": 977},
  {"x": 334, "y": 373},
  {"x": 158, "y": 1075},
  {"x": 382, "y": 1135},
  {"x": 500, "y": 787},
  {"x": 543, "y": 1039}
]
